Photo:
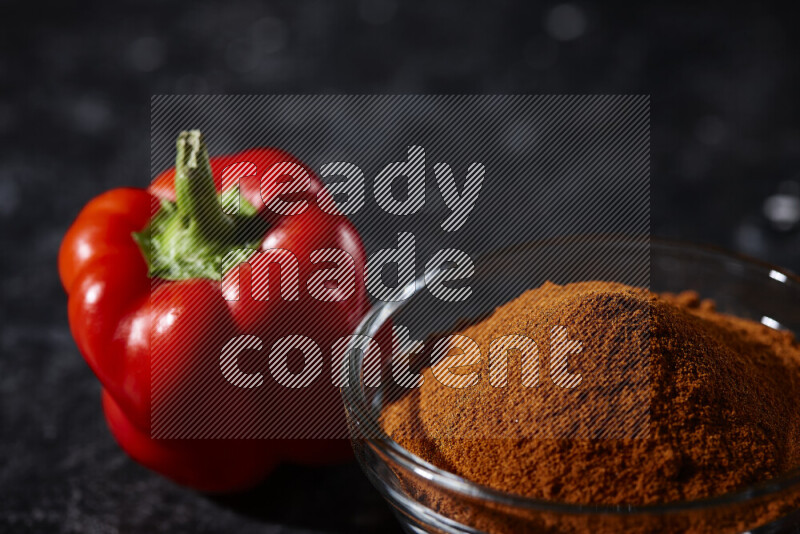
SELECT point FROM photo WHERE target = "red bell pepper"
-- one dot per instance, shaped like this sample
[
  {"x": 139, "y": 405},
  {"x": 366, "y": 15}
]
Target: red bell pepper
[{"x": 122, "y": 294}]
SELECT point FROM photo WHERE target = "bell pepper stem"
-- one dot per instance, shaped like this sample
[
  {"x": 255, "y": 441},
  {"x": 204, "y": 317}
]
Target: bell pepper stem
[
  {"x": 195, "y": 192},
  {"x": 191, "y": 237}
]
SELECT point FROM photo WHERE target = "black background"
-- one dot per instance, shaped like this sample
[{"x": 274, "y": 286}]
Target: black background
[{"x": 75, "y": 87}]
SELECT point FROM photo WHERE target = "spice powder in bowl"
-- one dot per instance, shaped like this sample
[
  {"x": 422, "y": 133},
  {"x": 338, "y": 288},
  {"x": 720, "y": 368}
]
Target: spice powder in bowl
[{"x": 715, "y": 395}]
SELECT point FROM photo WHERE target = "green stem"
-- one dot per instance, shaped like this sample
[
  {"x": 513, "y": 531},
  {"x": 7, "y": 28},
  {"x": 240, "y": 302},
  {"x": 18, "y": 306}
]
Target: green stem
[
  {"x": 192, "y": 237},
  {"x": 196, "y": 194}
]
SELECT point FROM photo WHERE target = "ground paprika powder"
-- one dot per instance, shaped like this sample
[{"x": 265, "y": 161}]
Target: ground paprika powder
[{"x": 721, "y": 397}]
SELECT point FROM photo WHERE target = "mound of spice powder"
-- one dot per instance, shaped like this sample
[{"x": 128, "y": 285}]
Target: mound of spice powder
[{"x": 721, "y": 400}]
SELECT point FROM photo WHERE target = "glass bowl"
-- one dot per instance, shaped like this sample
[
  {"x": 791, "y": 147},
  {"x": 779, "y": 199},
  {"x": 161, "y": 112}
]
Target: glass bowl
[{"x": 428, "y": 499}]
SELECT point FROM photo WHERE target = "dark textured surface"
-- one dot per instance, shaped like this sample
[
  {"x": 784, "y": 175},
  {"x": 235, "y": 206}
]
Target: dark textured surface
[{"x": 75, "y": 84}]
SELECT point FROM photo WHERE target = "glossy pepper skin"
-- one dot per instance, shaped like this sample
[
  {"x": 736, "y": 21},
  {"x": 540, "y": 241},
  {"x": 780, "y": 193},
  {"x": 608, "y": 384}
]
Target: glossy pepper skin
[{"x": 118, "y": 308}]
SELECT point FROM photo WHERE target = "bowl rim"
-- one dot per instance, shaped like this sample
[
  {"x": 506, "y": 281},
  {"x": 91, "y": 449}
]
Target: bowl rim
[{"x": 385, "y": 445}]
